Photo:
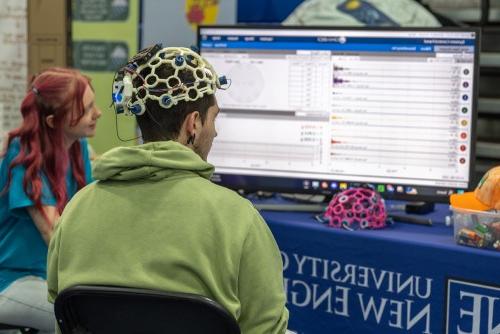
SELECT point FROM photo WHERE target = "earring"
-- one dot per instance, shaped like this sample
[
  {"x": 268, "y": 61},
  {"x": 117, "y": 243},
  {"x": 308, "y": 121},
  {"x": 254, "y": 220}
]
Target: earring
[{"x": 191, "y": 139}]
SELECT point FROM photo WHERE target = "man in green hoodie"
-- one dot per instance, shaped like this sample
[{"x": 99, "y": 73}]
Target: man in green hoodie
[{"x": 154, "y": 219}]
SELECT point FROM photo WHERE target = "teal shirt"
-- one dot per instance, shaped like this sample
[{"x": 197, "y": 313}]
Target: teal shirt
[{"x": 22, "y": 249}]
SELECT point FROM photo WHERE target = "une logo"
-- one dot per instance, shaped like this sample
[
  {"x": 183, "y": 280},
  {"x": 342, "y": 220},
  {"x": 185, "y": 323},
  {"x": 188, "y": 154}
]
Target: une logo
[{"x": 472, "y": 308}]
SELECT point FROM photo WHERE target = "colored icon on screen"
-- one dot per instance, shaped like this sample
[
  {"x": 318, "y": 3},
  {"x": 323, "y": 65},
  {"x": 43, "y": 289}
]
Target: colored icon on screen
[
  {"x": 411, "y": 191},
  {"x": 460, "y": 191},
  {"x": 466, "y": 71},
  {"x": 463, "y": 135},
  {"x": 380, "y": 188},
  {"x": 315, "y": 184},
  {"x": 400, "y": 189},
  {"x": 390, "y": 188},
  {"x": 334, "y": 185},
  {"x": 343, "y": 185},
  {"x": 463, "y": 148},
  {"x": 465, "y": 84},
  {"x": 464, "y": 110},
  {"x": 462, "y": 160},
  {"x": 306, "y": 184},
  {"x": 324, "y": 185}
]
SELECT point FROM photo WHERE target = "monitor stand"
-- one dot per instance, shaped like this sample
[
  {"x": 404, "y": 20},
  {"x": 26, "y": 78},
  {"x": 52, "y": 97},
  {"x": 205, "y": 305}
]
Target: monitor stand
[
  {"x": 293, "y": 202},
  {"x": 295, "y": 207},
  {"x": 299, "y": 203}
]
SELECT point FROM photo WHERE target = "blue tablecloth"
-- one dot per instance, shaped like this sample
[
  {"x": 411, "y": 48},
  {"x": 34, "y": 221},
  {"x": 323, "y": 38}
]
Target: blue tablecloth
[{"x": 404, "y": 279}]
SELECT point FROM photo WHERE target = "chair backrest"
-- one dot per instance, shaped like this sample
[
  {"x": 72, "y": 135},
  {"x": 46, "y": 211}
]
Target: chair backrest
[
  {"x": 106, "y": 309},
  {"x": 22, "y": 329}
]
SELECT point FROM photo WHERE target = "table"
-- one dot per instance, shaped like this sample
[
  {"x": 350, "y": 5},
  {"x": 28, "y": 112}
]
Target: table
[{"x": 404, "y": 279}]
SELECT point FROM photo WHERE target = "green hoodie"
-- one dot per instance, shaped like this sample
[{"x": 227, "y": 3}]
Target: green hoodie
[{"x": 154, "y": 220}]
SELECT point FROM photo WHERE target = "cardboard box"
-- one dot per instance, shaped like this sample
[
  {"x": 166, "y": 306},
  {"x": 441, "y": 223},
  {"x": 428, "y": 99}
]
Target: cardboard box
[{"x": 49, "y": 34}]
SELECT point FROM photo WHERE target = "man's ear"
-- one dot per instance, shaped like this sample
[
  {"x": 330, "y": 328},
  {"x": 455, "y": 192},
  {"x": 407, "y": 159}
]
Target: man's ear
[
  {"x": 191, "y": 122},
  {"x": 50, "y": 121}
]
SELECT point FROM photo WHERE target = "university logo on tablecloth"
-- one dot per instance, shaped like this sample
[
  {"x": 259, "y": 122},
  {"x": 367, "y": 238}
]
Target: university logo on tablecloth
[{"x": 472, "y": 308}]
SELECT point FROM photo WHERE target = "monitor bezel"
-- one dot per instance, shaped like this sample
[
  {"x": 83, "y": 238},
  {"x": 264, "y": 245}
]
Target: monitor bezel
[{"x": 395, "y": 195}]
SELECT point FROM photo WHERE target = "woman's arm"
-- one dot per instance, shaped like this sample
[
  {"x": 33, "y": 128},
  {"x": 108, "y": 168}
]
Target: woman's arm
[{"x": 45, "y": 227}]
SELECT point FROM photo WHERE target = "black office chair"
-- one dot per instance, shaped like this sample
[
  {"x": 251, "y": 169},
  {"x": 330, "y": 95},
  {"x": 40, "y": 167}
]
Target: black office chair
[
  {"x": 24, "y": 330},
  {"x": 107, "y": 310}
]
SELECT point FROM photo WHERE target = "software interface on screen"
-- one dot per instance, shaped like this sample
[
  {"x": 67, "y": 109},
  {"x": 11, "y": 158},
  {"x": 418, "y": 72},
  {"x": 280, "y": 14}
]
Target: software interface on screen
[{"x": 326, "y": 109}]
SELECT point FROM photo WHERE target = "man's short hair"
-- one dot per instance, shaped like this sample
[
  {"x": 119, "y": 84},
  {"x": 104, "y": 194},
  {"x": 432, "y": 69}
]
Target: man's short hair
[{"x": 157, "y": 123}]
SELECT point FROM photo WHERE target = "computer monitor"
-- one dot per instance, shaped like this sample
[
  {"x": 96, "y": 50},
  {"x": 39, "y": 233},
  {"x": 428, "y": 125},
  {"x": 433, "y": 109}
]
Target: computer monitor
[{"x": 317, "y": 110}]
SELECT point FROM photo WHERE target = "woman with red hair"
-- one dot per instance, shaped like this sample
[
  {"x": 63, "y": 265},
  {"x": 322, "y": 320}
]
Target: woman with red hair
[{"x": 46, "y": 162}]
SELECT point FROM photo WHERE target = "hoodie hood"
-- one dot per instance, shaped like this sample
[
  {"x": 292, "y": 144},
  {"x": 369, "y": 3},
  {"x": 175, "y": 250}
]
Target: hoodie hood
[{"x": 151, "y": 161}]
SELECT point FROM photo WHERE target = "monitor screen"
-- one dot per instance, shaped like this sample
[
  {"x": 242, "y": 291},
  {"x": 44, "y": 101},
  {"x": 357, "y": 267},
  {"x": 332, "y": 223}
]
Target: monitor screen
[{"x": 317, "y": 110}]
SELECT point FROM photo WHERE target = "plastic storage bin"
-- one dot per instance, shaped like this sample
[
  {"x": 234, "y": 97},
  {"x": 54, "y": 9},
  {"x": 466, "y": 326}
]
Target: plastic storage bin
[{"x": 479, "y": 229}]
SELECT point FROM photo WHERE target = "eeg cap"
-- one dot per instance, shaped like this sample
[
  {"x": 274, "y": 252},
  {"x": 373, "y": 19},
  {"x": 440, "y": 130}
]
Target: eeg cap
[{"x": 139, "y": 82}]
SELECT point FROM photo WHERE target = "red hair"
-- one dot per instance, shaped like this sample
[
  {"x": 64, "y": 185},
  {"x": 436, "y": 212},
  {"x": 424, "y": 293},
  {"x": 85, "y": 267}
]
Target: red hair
[{"x": 58, "y": 92}]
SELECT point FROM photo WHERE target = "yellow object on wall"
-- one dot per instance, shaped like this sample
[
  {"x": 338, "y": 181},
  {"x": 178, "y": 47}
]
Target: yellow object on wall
[{"x": 201, "y": 12}]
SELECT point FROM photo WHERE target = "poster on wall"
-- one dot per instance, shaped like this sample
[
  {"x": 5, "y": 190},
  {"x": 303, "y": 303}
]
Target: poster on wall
[
  {"x": 100, "y": 10},
  {"x": 105, "y": 36},
  {"x": 174, "y": 23},
  {"x": 104, "y": 52},
  {"x": 13, "y": 63}
]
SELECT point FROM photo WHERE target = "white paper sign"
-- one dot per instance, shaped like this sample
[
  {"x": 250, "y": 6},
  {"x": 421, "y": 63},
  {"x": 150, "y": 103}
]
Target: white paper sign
[{"x": 13, "y": 63}]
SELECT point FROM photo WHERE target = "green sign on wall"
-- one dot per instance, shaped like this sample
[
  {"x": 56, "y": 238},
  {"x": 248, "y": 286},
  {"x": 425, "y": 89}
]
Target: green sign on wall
[
  {"x": 100, "y": 10},
  {"x": 99, "y": 55}
]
